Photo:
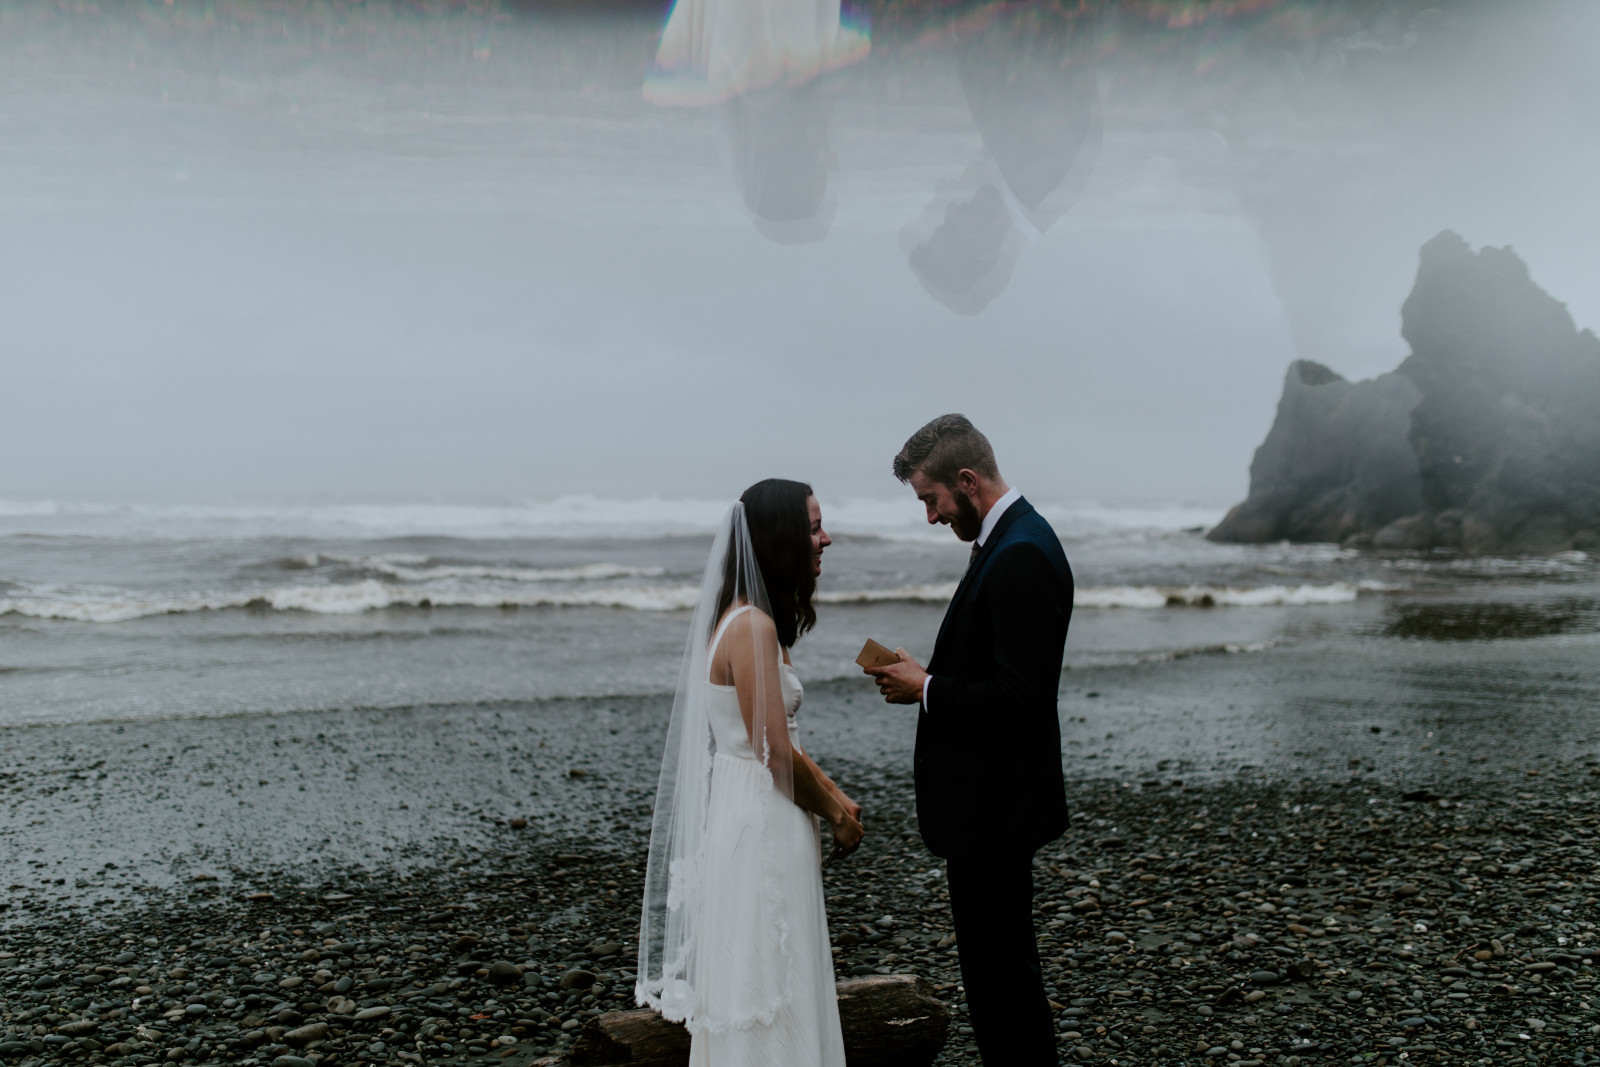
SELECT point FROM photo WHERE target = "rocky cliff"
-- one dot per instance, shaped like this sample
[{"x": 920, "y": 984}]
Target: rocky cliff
[
  {"x": 1335, "y": 464},
  {"x": 1485, "y": 439}
]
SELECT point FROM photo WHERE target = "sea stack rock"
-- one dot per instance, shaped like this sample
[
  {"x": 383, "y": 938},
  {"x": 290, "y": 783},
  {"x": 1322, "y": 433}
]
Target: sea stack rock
[
  {"x": 1486, "y": 439},
  {"x": 1336, "y": 463},
  {"x": 1507, "y": 434}
]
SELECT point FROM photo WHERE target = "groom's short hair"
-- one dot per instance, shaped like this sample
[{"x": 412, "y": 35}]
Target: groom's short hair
[{"x": 943, "y": 448}]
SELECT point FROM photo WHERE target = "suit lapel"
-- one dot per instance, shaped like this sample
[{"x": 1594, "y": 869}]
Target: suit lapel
[{"x": 1012, "y": 514}]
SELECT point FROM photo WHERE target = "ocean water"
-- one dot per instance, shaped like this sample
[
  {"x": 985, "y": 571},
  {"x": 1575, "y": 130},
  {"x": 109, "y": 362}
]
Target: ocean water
[{"x": 135, "y": 612}]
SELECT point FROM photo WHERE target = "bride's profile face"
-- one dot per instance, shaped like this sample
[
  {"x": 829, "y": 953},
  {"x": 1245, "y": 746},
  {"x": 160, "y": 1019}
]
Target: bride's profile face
[{"x": 819, "y": 537}]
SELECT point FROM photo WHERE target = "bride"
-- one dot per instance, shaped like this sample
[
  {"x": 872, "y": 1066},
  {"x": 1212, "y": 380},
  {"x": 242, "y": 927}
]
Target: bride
[{"x": 734, "y": 938}]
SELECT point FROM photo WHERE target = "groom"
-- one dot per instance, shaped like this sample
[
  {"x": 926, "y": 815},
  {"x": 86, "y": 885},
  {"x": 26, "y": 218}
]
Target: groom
[{"x": 988, "y": 760}]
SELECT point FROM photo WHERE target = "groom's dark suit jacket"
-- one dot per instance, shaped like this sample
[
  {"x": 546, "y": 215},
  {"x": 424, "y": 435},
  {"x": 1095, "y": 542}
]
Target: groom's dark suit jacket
[{"x": 988, "y": 760}]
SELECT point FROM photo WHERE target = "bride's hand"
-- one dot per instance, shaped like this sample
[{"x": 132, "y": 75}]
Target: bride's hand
[
  {"x": 847, "y": 831},
  {"x": 851, "y": 807}
]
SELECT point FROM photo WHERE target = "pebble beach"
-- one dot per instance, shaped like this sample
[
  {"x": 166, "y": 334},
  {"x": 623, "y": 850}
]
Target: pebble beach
[{"x": 1252, "y": 918}]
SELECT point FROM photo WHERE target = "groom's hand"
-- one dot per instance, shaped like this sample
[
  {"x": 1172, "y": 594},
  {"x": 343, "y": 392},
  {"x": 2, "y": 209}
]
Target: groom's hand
[{"x": 900, "y": 683}]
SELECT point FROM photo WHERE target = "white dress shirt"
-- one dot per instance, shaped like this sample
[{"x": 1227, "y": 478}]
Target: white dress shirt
[{"x": 989, "y": 522}]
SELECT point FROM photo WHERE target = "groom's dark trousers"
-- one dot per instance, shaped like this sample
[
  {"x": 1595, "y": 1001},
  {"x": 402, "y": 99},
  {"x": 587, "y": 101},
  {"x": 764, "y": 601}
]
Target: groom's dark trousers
[{"x": 988, "y": 772}]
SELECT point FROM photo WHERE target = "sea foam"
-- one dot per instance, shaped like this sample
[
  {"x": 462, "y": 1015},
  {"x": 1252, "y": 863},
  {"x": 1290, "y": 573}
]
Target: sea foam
[
  {"x": 372, "y": 594},
  {"x": 352, "y": 598}
]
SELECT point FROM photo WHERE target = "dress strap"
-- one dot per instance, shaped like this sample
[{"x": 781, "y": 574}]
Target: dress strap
[{"x": 716, "y": 638}]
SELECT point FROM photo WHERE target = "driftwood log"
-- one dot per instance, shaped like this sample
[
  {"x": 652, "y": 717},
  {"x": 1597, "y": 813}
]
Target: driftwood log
[{"x": 889, "y": 1020}]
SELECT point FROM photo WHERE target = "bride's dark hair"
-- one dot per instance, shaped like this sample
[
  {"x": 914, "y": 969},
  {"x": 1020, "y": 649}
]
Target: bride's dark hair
[{"x": 780, "y": 534}]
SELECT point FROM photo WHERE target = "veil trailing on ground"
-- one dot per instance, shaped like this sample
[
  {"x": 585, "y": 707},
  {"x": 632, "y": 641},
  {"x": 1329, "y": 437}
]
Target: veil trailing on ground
[{"x": 733, "y": 611}]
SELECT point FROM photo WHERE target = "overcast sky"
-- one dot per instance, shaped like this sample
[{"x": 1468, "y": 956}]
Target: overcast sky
[{"x": 383, "y": 267}]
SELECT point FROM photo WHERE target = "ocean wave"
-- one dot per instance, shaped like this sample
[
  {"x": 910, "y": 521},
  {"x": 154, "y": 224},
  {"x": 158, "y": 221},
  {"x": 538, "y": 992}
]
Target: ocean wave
[
  {"x": 1074, "y": 521},
  {"x": 352, "y": 598},
  {"x": 409, "y": 567},
  {"x": 371, "y": 595},
  {"x": 1227, "y": 648},
  {"x": 111, "y": 607},
  {"x": 1100, "y": 659},
  {"x": 938, "y": 593},
  {"x": 1156, "y": 596},
  {"x": 374, "y": 594},
  {"x": 566, "y": 517},
  {"x": 898, "y": 518}
]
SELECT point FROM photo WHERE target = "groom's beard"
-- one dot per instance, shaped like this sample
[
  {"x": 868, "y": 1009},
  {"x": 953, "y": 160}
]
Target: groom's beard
[{"x": 967, "y": 523}]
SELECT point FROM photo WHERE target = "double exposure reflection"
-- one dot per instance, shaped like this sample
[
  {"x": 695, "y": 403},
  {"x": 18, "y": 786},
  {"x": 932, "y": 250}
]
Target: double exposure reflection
[
  {"x": 760, "y": 61},
  {"x": 1028, "y": 74}
]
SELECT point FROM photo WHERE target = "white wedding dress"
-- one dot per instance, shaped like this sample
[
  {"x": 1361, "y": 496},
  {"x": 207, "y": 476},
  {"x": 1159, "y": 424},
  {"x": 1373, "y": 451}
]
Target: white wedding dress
[
  {"x": 763, "y": 968},
  {"x": 714, "y": 50}
]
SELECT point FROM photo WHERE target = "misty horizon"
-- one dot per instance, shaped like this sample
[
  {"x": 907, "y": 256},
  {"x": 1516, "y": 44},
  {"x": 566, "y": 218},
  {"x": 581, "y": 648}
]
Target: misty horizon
[{"x": 461, "y": 259}]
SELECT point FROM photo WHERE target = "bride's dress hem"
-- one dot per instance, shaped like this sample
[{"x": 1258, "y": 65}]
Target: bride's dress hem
[{"x": 702, "y": 1022}]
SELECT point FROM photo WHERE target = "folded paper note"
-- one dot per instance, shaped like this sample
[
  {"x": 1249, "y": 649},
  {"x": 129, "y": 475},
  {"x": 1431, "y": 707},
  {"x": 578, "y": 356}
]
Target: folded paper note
[{"x": 875, "y": 655}]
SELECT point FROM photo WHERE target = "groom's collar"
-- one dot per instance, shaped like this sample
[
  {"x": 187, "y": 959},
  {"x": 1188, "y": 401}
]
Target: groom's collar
[{"x": 993, "y": 518}]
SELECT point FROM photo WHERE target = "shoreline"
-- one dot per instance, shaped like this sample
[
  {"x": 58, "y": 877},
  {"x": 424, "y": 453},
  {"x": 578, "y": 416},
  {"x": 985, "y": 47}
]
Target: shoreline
[{"x": 283, "y": 794}]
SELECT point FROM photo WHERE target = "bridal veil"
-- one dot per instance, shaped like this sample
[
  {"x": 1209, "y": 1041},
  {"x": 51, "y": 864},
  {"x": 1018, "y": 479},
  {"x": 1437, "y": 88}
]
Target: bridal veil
[{"x": 674, "y": 890}]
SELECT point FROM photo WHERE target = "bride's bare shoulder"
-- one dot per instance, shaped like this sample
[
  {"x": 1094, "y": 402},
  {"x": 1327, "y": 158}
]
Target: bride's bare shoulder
[
  {"x": 747, "y": 622},
  {"x": 748, "y": 637}
]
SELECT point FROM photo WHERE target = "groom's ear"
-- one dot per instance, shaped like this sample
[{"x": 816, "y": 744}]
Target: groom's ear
[{"x": 967, "y": 481}]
